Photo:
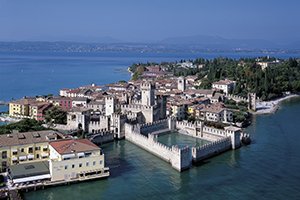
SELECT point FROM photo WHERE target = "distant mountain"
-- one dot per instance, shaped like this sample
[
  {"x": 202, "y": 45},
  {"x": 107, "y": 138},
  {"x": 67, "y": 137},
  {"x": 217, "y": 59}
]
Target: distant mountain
[
  {"x": 216, "y": 42},
  {"x": 74, "y": 39},
  {"x": 91, "y": 39}
]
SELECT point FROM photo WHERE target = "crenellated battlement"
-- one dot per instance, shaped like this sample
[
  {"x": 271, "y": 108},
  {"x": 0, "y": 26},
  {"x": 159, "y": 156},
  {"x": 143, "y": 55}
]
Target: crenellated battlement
[
  {"x": 236, "y": 98},
  {"x": 215, "y": 131},
  {"x": 211, "y": 149},
  {"x": 179, "y": 158},
  {"x": 135, "y": 107},
  {"x": 147, "y": 86},
  {"x": 102, "y": 137}
]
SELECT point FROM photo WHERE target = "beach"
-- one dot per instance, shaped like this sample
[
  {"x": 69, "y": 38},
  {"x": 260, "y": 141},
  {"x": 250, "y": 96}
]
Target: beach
[{"x": 267, "y": 107}]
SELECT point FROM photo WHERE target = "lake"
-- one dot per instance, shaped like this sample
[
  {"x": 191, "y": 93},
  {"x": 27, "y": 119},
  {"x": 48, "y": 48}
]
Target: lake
[{"x": 267, "y": 169}]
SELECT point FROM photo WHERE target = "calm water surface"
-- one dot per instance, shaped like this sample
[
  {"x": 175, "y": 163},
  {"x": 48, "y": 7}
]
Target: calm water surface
[{"x": 174, "y": 138}]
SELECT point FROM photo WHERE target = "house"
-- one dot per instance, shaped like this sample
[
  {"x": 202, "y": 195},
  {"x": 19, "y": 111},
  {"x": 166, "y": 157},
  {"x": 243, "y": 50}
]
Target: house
[
  {"x": 216, "y": 113},
  {"x": 227, "y": 86},
  {"x": 28, "y": 108},
  {"x": 69, "y": 160},
  {"x": 24, "y": 147},
  {"x": 266, "y": 64},
  {"x": 76, "y": 158},
  {"x": 79, "y": 102}
]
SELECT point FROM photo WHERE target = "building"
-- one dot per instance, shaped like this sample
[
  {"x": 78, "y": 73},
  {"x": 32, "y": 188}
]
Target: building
[
  {"x": 150, "y": 106},
  {"x": 181, "y": 84},
  {"x": 73, "y": 159},
  {"x": 79, "y": 102},
  {"x": 267, "y": 64},
  {"x": 25, "y": 147},
  {"x": 227, "y": 86},
  {"x": 28, "y": 108},
  {"x": 217, "y": 114},
  {"x": 70, "y": 160}
]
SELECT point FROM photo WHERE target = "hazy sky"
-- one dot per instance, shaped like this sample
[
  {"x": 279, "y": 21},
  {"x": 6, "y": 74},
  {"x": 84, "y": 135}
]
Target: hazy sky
[{"x": 149, "y": 20}]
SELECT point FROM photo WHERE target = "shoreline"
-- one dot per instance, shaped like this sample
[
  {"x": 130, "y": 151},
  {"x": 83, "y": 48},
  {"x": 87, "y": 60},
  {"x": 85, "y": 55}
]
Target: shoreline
[{"x": 269, "y": 107}]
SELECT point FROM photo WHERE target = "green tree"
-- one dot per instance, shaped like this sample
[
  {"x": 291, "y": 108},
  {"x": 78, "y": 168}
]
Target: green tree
[{"x": 56, "y": 115}]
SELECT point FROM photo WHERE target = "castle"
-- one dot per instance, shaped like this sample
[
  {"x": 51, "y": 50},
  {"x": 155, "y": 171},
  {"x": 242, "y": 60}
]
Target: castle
[{"x": 112, "y": 118}]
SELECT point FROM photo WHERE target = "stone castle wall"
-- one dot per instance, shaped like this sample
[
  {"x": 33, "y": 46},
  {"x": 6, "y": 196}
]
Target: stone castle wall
[
  {"x": 102, "y": 137},
  {"x": 96, "y": 126},
  {"x": 154, "y": 126},
  {"x": 180, "y": 159},
  {"x": 236, "y": 98},
  {"x": 211, "y": 149}
]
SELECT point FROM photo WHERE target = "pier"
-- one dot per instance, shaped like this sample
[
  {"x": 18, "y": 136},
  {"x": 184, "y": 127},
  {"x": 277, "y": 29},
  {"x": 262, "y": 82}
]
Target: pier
[{"x": 3, "y": 103}]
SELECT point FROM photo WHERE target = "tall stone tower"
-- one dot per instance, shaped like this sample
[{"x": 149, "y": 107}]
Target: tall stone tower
[
  {"x": 181, "y": 83},
  {"x": 109, "y": 105},
  {"x": 147, "y": 90},
  {"x": 252, "y": 101}
]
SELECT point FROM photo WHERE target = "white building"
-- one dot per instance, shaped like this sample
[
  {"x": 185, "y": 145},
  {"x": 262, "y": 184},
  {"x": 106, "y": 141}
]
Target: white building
[
  {"x": 227, "y": 86},
  {"x": 217, "y": 114},
  {"x": 74, "y": 159}
]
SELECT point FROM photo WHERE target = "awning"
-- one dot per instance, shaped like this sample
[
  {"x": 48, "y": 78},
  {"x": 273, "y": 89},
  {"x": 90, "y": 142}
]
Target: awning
[
  {"x": 32, "y": 178},
  {"x": 68, "y": 156},
  {"x": 80, "y": 154},
  {"x": 45, "y": 147},
  {"x": 14, "y": 150},
  {"x": 45, "y": 154},
  {"x": 14, "y": 158},
  {"x": 22, "y": 158},
  {"x": 30, "y": 156}
]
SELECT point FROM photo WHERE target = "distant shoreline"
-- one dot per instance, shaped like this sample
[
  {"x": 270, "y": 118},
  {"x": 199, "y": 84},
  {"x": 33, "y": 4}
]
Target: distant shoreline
[{"x": 269, "y": 107}]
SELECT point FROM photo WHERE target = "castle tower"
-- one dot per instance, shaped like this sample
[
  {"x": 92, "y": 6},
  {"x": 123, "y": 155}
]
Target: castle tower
[
  {"x": 147, "y": 90},
  {"x": 181, "y": 83},
  {"x": 252, "y": 101},
  {"x": 109, "y": 105}
]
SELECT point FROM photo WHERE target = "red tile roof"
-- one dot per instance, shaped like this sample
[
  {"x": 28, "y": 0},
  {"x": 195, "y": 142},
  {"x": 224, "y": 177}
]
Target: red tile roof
[{"x": 73, "y": 145}]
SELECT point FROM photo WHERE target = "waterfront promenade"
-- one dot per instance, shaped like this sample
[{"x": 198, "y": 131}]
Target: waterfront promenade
[{"x": 268, "y": 107}]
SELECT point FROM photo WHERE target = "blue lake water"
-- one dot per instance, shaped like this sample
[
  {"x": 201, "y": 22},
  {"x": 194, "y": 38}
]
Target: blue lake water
[{"x": 267, "y": 169}]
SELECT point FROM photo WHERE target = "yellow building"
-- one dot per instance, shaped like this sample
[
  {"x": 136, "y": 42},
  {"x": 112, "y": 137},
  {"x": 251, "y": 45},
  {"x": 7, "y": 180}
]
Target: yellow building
[
  {"x": 76, "y": 159},
  {"x": 28, "y": 108},
  {"x": 19, "y": 108},
  {"x": 25, "y": 147}
]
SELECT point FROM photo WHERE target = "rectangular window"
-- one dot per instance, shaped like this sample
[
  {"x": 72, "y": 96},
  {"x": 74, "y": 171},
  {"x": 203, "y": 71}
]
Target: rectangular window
[
  {"x": 4, "y": 164},
  {"x": 87, "y": 164},
  {"x": 100, "y": 162},
  {"x": 73, "y": 166},
  {"x": 37, "y": 148},
  {"x": 22, "y": 149},
  {"x": 94, "y": 163},
  {"x": 66, "y": 166},
  {"x": 30, "y": 150},
  {"x": 45, "y": 149},
  {"x": 80, "y": 164},
  {"x": 4, "y": 154}
]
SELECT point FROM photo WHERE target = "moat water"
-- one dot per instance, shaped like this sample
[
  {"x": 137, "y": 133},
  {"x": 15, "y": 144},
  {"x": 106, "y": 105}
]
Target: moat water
[
  {"x": 267, "y": 169},
  {"x": 174, "y": 138}
]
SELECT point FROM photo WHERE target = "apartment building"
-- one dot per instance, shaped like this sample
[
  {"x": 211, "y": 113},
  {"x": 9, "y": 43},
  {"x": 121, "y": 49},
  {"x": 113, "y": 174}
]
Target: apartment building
[
  {"x": 25, "y": 147},
  {"x": 73, "y": 159}
]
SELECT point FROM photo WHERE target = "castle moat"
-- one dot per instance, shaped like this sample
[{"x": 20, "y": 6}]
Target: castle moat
[{"x": 175, "y": 138}]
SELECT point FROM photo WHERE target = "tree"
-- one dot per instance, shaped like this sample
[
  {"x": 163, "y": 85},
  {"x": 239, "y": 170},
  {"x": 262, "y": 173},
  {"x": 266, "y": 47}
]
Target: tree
[{"x": 56, "y": 115}]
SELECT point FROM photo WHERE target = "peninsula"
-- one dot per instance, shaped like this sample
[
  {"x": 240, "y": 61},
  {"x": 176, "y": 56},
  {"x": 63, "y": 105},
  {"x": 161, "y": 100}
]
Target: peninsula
[{"x": 211, "y": 100}]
